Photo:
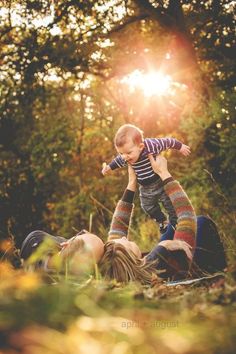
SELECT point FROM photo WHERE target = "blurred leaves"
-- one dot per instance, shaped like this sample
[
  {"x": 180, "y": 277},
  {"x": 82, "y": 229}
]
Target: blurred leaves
[{"x": 76, "y": 316}]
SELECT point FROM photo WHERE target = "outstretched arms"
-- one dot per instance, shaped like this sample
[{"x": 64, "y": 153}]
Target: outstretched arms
[
  {"x": 117, "y": 162},
  {"x": 156, "y": 146}
]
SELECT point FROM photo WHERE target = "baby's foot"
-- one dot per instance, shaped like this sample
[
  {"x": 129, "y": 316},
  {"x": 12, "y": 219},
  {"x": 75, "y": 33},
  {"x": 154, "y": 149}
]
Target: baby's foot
[{"x": 163, "y": 226}]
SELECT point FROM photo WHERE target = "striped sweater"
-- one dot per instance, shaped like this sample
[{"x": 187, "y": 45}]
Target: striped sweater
[
  {"x": 121, "y": 220},
  {"x": 143, "y": 169}
]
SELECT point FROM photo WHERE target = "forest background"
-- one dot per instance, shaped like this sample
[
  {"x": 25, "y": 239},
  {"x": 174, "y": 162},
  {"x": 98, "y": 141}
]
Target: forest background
[
  {"x": 66, "y": 88},
  {"x": 72, "y": 72}
]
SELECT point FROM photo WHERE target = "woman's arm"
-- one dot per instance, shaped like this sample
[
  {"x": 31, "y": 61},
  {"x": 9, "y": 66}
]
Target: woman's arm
[
  {"x": 168, "y": 253},
  {"x": 187, "y": 222},
  {"x": 122, "y": 215}
]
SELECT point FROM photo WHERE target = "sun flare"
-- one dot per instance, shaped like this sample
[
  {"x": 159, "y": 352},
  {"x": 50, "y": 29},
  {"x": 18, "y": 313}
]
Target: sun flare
[{"x": 152, "y": 83}]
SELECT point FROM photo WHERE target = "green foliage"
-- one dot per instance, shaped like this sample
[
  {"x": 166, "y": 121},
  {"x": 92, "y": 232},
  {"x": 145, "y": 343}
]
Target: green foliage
[{"x": 62, "y": 99}]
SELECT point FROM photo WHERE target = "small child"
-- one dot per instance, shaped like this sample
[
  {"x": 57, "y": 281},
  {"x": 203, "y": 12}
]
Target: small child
[{"x": 133, "y": 149}]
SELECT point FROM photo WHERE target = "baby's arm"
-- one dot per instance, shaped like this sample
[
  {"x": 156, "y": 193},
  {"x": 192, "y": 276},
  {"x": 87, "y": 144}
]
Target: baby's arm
[
  {"x": 118, "y": 162},
  {"x": 105, "y": 168},
  {"x": 156, "y": 146}
]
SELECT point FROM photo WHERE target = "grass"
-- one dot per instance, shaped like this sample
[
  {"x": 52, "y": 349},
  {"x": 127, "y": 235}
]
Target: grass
[
  {"x": 57, "y": 314},
  {"x": 68, "y": 315}
]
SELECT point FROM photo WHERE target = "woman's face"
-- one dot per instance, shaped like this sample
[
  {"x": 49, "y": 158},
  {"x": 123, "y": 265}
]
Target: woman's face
[
  {"x": 129, "y": 246},
  {"x": 93, "y": 244},
  {"x": 83, "y": 255}
]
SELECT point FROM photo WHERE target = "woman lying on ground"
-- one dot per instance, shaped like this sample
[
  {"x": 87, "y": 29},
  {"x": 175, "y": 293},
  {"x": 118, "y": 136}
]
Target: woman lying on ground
[
  {"x": 173, "y": 256},
  {"x": 77, "y": 255},
  {"x": 193, "y": 249}
]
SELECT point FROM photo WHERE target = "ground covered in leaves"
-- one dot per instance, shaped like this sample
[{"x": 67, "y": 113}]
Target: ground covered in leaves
[{"x": 44, "y": 314}]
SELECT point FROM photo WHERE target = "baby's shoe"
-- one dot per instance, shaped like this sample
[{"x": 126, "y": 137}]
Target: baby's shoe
[{"x": 163, "y": 226}]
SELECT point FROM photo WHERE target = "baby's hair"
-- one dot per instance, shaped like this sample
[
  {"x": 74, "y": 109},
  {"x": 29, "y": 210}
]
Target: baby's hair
[{"x": 128, "y": 131}]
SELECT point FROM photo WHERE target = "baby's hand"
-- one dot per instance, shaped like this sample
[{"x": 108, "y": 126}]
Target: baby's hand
[
  {"x": 105, "y": 168},
  {"x": 185, "y": 150}
]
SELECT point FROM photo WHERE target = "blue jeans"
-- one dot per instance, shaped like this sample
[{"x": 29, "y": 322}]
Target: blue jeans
[
  {"x": 209, "y": 255},
  {"x": 151, "y": 196}
]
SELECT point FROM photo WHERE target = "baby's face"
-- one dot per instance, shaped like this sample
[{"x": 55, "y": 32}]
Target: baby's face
[{"x": 130, "y": 151}]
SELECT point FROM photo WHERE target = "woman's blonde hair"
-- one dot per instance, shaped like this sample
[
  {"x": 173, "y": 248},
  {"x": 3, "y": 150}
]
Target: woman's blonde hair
[{"x": 122, "y": 265}]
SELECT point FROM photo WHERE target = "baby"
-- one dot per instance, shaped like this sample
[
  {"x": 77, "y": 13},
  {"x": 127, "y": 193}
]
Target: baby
[{"x": 133, "y": 149}]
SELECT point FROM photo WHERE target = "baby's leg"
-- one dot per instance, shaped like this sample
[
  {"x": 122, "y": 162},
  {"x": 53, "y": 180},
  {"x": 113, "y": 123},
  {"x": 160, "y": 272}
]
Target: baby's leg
[
  {"x": 149, "y": 203},
  {"x": 167, "y": 204}
]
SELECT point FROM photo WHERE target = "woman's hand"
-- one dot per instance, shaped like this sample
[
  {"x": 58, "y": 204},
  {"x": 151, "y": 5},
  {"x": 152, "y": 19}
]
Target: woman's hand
[
  {"x": 174, "y": 245},
  {"x": 159, "y": 166},
  {"x": 132, "y": 183}
]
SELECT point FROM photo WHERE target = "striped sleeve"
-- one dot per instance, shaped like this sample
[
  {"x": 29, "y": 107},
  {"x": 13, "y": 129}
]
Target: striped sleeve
[
  {"x": 187, "y": 222},
  {"x": 156, "y": 146},
  {"x": 121, "y": 220},
  {"x": 118, "y": 162}
]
